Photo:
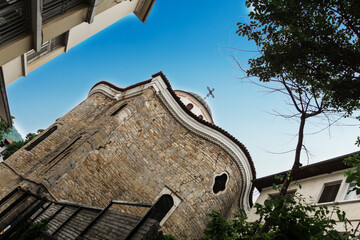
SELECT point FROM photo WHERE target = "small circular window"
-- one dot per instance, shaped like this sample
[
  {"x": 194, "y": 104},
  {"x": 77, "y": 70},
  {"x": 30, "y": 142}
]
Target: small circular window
[
  {"x": 189, "y": 106},
  {"x": 220, "y": 183},
  {"x": 201, "y": 116}
]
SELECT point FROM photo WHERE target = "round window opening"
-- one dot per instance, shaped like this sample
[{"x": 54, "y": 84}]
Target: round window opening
[
  {"x": 220, "y": 183},
  {"x": 189, "y": 106}
]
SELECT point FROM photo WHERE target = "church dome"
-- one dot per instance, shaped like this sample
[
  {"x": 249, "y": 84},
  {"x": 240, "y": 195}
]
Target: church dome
[
  {"x": 196, "y": 104},
  {"x": 202, "y": 101}
]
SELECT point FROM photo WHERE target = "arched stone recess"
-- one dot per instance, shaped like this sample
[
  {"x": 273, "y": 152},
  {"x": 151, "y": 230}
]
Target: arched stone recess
[
  {"x": 166, "y": 194},
  {"x": 122, "y": 106},
  {"x": 160, "y": 87},
  {"x": 41, "y": 138}
]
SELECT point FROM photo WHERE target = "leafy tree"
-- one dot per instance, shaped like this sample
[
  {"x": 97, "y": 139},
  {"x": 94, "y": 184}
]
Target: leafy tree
[
  {"x": 12, "y": 148},
  {"x": 13, "y": 135},
  {"x": 315, "y": 42},
  {"x": 32, "y": 231},
  {"x": 31, "y": 136},
  {"x": 353, "y": 175},
  {"x": 294, "y": 220},
  {"x": 4, "y": 128},
  {"x": 169, "y": 237},
  {"x": 310, "y": 52}
]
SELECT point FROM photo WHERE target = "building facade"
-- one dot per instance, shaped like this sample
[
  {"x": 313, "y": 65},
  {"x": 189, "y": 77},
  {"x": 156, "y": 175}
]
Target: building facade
[
  {"x": 34, "y": 32},
  {"x": 137, "y": 144},
  {"x": 322, "y": 183},
  {"x": 3, "y": 146}
]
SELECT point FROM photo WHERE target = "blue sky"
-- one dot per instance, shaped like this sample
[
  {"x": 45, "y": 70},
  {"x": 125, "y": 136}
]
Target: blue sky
[{"x": 189, "y": 41}]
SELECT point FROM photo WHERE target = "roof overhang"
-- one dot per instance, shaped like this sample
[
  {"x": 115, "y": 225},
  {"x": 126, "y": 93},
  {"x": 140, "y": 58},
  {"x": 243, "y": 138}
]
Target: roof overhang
[
  {"x": 190, "y": 121},
  {"x": 316, "y": 169},
  {"x": 4, "y": 104}
]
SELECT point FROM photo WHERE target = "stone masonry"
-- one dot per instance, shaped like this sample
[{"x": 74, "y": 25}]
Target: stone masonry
[{"x": 95, "y": 156}]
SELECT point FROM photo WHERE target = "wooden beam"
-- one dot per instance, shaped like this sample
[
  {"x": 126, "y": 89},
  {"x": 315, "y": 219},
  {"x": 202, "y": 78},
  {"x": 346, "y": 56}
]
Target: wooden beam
[
  {"x": 92, "y": 10},
  {"x": 36, "y": 23}
]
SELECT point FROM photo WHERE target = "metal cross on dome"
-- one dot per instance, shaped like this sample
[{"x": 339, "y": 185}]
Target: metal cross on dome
[{"x": 210, "y": 93}]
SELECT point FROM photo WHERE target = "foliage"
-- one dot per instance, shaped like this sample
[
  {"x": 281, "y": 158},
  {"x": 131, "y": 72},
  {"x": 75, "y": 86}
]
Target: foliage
[
  {"x": 169, "y": 237},
  {"x": 31, "y": 231},
  {"x": 4, "y": 129},
  {"x": 218, "y": 228},
  {"x": 12, "y": 148},
  {"x": 314, "y": 42},
  {"x": 309, "y": 51},
  {"x": 13, "y": 135},
  {"x": 353, "y": 175},
  {"x": 294, "y": 220}
]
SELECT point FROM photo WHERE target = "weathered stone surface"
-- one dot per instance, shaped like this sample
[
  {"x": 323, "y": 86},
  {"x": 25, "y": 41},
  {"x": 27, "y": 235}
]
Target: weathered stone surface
[{"x": 94, "y": 157}]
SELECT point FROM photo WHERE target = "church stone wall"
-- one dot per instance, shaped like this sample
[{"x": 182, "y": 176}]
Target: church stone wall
[{"x": 94, "y": 157}]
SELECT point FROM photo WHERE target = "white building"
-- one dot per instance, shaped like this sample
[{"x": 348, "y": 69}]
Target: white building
[
  {"x": 322, "y": 183},
  {"x": 32, "y": 32},
  {"x": 3, "y": 146}
]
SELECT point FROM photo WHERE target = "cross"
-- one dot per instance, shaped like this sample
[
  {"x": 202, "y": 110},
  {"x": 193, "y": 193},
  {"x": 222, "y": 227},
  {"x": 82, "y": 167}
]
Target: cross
[{"x": 210, "y": 93}]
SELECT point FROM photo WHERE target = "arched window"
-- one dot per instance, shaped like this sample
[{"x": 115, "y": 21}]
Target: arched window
[
  {"x": 119, "y": 109},
  {"x": 220, "y": 183},
  {"x": 162, "y": 207},
  {"x": 41, "y": 138}
]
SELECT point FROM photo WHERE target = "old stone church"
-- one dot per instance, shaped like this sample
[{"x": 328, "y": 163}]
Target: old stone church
[{"x": 137, "y": 144}]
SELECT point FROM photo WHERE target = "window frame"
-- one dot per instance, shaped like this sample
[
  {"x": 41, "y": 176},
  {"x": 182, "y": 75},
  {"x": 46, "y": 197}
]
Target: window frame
[
  {"x": 47, "y": 48},
  {"x": 347, "y": 188},
  {"x": 327, "y": 184},
  {"x": 177, "y": 200}
]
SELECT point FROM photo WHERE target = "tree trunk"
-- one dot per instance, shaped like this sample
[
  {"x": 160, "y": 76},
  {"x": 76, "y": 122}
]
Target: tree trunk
[
  {"x": 297, "y": 163},
  {"x": 265, "y": 228}
]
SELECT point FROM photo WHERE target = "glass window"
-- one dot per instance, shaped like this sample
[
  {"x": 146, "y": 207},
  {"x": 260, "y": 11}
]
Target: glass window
[
  {"x": 329, "y": 193},
  {"x": 351, "y": 194}
]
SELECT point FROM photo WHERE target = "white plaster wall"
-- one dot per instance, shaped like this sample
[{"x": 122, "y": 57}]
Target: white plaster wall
[
  {"x": 312, "y": 189},
  {"x": 1, "y": 156},
  {"x": 196, "y": 109},
  {"x": 12, "y": 70},
  {"x": 85, "y": 30}
]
